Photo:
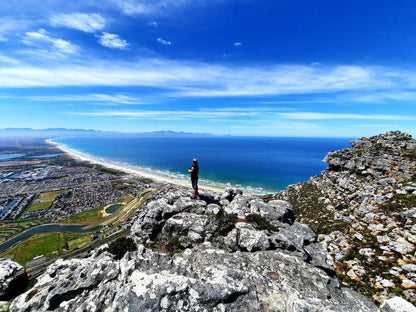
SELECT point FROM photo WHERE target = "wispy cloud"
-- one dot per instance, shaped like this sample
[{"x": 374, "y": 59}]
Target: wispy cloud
[
  {"x": 164, "y": 42},
  {"x": 91, "y": 98},
  {"x": 166, "y": 115},
  {"x": 8, "y": 60},
  {"x": 238, "y": 44},
  {"x": 42, "y": 40},
  {"x": 196, "y": 79},
  {"x": 12, "y": 25},
  {"x": 327, "y": 116},
  {"x": 112, "y": 41},
  {"x": 79, "y": 21},
  {"x": 380, "y": 97},
  {"x": 254, "y": 115}
]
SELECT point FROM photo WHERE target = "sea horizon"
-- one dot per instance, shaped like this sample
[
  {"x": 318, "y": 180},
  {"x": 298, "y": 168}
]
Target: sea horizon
[{"x": 258, "y": 165}]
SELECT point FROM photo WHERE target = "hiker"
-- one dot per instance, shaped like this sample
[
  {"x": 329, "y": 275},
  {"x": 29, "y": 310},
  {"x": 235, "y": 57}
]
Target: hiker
[{"x": 193, "y": 170}]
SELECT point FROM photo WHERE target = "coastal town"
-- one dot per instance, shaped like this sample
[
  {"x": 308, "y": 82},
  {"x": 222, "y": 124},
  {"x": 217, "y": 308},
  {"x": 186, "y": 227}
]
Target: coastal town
[{"x": 39, "y": 184}]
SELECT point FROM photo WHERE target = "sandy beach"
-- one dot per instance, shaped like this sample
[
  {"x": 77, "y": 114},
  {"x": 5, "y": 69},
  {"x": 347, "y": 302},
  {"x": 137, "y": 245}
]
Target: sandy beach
[{"x": 129, "y": 169}]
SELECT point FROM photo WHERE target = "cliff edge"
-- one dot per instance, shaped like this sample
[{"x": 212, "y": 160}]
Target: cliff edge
[{"x": 363, "y": 206}]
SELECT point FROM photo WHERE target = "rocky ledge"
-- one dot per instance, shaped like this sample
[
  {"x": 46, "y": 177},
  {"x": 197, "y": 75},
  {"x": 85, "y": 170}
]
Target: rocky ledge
[
  {"x": 364, "y": 208},
  {"x": 226, "y": 252}
]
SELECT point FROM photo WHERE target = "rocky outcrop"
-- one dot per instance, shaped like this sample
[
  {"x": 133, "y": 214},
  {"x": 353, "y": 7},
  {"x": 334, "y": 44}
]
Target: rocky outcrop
[
  {"x": 199, "y": 279},
  {"x": 363, "y": 206},
  {"x": 226, "y": 252},
  {"x": 13, "y": 279}
]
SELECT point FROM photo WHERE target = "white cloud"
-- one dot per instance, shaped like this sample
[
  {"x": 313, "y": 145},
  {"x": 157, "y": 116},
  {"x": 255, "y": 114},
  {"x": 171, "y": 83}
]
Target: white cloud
[
  {"x": 133, "y": 7},
  {"x": 42, "y": 40},
  {"x": 80, "y": 21},
  {"x": 164, "y": 42},
  {"x": 112, "y": 41},
  {"x": 8, "y": 60},
  {"x": 64, "y": 46},
  {"x": 238, "y": 44}
]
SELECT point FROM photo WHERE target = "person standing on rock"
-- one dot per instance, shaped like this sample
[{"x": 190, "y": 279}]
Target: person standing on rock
[{"x": 193, "y": 170}]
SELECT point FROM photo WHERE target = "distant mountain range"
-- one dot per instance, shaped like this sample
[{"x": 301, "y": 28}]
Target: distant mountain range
[{"x": 63, "y": 132}]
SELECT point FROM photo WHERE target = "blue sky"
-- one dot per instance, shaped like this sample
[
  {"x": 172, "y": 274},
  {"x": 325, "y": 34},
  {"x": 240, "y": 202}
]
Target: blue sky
[{"x": 247, "y": 67}]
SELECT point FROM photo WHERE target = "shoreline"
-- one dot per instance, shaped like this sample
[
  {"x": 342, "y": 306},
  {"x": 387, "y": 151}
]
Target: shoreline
[{"x": 136, "y": 171}]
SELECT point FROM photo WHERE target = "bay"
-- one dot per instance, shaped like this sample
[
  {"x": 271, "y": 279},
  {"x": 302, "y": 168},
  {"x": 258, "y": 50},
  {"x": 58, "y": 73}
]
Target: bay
[{"x": 258, "y": 165}]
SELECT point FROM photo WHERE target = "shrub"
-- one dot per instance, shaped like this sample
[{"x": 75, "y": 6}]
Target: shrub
[
  {"x": 261, "y": 223},
  {"x": 120, "y": 246}
]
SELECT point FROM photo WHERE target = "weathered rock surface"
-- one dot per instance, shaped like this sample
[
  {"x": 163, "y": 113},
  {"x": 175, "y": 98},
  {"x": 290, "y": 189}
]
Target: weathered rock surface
[
  {"x": 194, "y": 256},
  {"x": 199, "y": 279},
  {"x": 363, "y": 206},
  {"x": 13, "y": 279}
]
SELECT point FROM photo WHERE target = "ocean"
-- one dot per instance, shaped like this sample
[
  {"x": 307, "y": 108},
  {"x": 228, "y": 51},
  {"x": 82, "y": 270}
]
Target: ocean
[{"x": 257, "y": 165}]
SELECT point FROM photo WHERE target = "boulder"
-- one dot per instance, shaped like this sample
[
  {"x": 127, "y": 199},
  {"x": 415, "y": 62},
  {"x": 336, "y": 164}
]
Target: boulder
[
  {"x": 13, "y": 279},
  {"x": 397, "y": 304},
  {"x": 250, "y": 239}
]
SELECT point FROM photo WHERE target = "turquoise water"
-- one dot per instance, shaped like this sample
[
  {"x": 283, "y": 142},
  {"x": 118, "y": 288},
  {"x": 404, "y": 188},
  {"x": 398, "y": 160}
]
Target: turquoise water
[{"x": 256, "y": 164}]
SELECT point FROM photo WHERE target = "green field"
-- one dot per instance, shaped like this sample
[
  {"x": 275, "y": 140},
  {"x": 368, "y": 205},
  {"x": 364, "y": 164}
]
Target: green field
[
  {"x": 85, "y": 217},
  {"x": 78, "y": 242},
  {"x": 45, "y": 200},
  {"x": 39, "y": 206},
  {"x": 49, "y": 196}
]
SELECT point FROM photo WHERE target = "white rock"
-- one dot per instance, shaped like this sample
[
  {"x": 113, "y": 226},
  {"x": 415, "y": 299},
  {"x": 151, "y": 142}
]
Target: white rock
[
  {"x": 397, "y": 304},
  {"x": 409, "y": 267}
]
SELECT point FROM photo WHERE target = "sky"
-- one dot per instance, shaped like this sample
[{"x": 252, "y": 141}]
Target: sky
[{"x": 318, "y": 68}]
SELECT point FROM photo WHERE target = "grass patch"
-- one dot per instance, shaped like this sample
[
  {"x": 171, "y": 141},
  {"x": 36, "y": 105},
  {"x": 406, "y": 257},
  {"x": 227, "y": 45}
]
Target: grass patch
[
  {"x": 49, "y": 196},
  {"x": 310, "y": 210},
  {"x": 85, "y": 217},
  {"x": 43, "y": 200},
  {"x": 76, "y": 241},
  {"x": 398, "y": 202},
  {"x": 39, "y": 206}
]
